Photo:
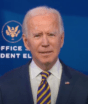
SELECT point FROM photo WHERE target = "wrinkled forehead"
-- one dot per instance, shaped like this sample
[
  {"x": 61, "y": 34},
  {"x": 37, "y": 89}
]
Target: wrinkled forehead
[{"x": 40, "y": 20}]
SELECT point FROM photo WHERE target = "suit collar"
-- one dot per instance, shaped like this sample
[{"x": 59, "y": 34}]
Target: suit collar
[{"x": 66, "y": 85}]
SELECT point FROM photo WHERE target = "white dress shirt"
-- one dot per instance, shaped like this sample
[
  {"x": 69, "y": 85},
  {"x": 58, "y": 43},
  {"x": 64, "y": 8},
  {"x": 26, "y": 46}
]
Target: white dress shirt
[{"x": 53, "y": 80}]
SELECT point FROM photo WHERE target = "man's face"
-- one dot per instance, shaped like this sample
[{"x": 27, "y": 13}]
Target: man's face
[{"x": 44, "y": 39}]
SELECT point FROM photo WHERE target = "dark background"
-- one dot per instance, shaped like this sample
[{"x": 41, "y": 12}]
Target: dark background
[{"x": 75, "y": 17}]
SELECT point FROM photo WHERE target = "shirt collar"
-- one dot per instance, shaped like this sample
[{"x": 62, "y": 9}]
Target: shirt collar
[
  {"x": 34, "y": 69},
  {"x": 56, "y": 70}
]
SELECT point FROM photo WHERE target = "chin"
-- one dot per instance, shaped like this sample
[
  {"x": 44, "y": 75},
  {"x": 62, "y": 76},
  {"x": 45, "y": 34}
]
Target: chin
[{"x": 47, "y": 61}]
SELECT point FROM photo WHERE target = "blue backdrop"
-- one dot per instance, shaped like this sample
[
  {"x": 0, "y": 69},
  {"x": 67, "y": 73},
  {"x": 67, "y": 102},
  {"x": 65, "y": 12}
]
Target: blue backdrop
[{"x": 75, "y": 17}]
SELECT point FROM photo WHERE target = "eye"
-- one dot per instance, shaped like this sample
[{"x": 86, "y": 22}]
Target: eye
[
  {"x": 37, "y": 35},
  {"x": 51, "y": 34}
]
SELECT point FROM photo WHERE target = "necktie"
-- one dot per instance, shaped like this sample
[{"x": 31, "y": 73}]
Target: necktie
[{"x": 43, "y": 93}]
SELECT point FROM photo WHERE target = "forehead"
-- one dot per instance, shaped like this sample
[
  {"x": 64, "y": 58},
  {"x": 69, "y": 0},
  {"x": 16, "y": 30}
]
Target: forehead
[{"x": 47, "y": 20}]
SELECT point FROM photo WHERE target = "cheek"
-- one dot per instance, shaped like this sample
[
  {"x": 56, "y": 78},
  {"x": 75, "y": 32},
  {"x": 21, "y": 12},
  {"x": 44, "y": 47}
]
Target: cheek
[
  {"x": 57, "y": 47},
  {"x": 33, "y": 46}
]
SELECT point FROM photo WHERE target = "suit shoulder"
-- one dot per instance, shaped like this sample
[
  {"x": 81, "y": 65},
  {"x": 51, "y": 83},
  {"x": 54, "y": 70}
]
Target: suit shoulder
[
  {"x": 72, "y": 71},
  {"x": 76, "y": 73},
  {"x": 14, "y": 74},
  {"x": 78, "y": 77}
]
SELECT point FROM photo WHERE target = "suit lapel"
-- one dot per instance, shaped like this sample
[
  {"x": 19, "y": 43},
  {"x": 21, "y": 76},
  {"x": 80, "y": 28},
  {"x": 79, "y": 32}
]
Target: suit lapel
[
  {"x": 66, "y": 85},
  {"x": 25, "y": 86}
]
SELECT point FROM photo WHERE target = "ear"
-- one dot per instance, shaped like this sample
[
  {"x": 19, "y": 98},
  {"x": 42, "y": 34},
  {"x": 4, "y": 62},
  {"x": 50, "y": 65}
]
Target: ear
[
  {"x": 62, "y": 39},
  {"x": 25, "y": 40}
]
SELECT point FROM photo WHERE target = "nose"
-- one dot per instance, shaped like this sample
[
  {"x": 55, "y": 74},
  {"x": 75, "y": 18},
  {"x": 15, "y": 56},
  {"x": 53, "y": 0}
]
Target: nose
[{"x": 45, "y": 41}]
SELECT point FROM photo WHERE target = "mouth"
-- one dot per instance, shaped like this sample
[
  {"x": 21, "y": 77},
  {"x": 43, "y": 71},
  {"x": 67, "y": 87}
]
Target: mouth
[{"x": 46, "y": 52}]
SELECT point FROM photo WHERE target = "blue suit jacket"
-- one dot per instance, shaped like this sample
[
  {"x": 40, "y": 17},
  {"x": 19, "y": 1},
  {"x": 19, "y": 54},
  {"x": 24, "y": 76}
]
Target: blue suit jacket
[{"x": 15, "y": 87}]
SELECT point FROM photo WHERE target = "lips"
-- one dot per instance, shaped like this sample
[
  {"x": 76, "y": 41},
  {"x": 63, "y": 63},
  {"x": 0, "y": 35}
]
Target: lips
[{"x": 44, "y": 52}]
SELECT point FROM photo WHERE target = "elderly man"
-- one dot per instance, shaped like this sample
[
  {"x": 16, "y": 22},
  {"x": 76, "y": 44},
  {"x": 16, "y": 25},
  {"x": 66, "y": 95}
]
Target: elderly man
[{"x": 45, "y": 79}]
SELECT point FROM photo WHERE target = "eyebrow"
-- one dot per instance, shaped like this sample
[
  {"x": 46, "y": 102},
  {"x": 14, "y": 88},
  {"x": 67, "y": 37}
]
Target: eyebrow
[
  {"x": 52, "y": 32},
  {"x": 55, "y": 32},
  {"x": 37, "y": 33}
]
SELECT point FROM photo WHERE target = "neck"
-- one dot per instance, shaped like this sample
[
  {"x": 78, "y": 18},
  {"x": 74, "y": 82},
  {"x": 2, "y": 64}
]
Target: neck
[{"x": 45, "y": 66}]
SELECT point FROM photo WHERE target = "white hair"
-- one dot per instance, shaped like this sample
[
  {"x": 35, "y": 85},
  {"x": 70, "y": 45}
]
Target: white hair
[{"x": 42, "y": 10}]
